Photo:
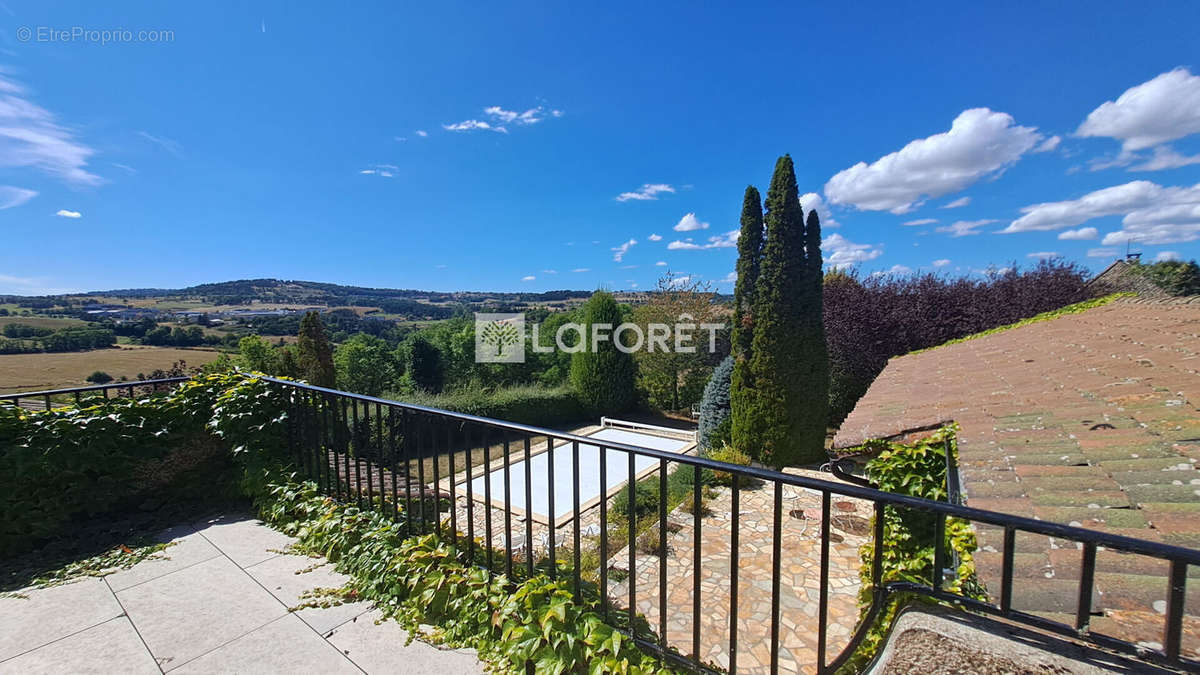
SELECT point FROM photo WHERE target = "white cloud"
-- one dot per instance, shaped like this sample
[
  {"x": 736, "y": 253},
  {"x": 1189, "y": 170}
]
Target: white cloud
[
  {"x": 661, "y": 263},
  {"x": 839, "y": 251},
  {"x": 980, "y": 143},
  {"x": 578, "y": 270},
  {"x": 381, "y": 170},
  {"x": 648, "y": 191},
  {"x": 920, "y": 221},
  {"x": 812, "y": 200},
  {"x": 1042, "y": 255},
  {"x": 1152, "y": 214},
  {"x": 1164, "y": 256},
  {"x": 549, "y": 271},
  {"x": 31, "y": 136},
  {"x": 1165, "y": 157},
  {"x": 941, "y": 262},
  {"x": 655, "y": 237},
  {"x": 1102, "y": 252},
  {"x": 1048, "y": 145},
  {"x": 964, "y": 228},
  {"x": 474, "y": 125},
  {"x": 732, "y": 276},
  {"x": 529, "y": 278},
  {"x": 620, "y": 251},
  {"x": 14, "y": 196},
  {"x": 1082, "y": 234},
  {"x": 690, "y": 223},
  {"x": 501, "y": 119},
  {"x": 422, "y": 133},
  {"x": 894, "y": 269},
  {"x": 1154, "y": 112},
  {"x": 68, "y": 214},
  {"x": 399, "y": 139},
  {"x": 957, "y": 203},
  {"x": 727, "y": 240}
]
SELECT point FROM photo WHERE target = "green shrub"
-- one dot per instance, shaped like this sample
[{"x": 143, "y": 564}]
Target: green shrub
[
  {"x": 917, "y": 470},
  {"x": 99, "y": 377},
  {"x": 715, "y": 424},
  {"x": 603, "y": 379},
  {"x": 529, "y": 404},
  {"x": 730, "y": 455}
]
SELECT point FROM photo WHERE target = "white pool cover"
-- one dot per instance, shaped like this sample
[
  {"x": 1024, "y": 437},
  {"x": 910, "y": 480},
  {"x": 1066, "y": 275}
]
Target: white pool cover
[{"x": 617, "y": 473}]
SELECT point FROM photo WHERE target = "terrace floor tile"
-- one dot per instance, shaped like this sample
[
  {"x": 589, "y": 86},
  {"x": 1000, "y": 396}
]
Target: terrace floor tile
[
  {"x": 286, "y": 645},
  {"x": 379, "y": 648},
  {"x": 44, "y": 615},
  {"x": 110, "y": 647}
]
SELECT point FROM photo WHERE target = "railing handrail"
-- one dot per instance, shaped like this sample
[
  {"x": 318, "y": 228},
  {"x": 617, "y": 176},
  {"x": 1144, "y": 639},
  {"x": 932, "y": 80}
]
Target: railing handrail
[
  {"x": 93, "y": 387},
  {"x": 1113, "y": 541}
]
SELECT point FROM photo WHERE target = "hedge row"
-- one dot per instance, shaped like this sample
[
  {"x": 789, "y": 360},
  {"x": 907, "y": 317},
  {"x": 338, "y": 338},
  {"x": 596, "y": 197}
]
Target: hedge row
[{"x": 533, "y": 405}]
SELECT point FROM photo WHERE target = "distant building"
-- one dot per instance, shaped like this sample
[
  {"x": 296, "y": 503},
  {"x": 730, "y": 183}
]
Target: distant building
[{"x": 1123, "y": 277}]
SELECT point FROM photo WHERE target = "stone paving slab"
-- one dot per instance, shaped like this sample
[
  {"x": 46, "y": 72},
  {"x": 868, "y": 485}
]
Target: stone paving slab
[
  {"x": 1091, "y": 420},
  {"x": 109, "y": 647},
  {"x": 199, "y": 611}
]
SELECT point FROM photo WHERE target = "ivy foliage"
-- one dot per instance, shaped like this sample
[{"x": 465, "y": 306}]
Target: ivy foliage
[
  {"x": 916, "y": 469},
  {"x": 58, "y": 465}
]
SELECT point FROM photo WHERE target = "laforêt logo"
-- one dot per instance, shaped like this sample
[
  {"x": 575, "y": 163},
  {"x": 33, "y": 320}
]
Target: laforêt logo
[{"x": 499, "y": 338}]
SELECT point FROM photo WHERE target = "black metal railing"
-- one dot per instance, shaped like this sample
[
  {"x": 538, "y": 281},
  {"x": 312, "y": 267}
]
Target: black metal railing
[
  {"x": 45, "y": 400},
  {"x": 401, "y": 459}
]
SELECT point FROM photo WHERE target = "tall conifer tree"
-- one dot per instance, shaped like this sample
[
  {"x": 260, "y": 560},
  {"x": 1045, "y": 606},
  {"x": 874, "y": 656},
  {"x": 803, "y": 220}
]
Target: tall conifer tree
[{"x": 315, "y": 352}]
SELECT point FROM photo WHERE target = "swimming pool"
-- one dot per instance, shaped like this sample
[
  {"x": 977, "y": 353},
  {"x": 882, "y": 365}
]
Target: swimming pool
[{"x": 617, "y": 474}]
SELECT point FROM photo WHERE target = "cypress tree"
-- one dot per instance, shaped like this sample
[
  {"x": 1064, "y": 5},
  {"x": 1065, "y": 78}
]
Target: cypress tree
[
  {"x": 750, "y": 243},
  {"x": 780, "y": 418},
  {"x": 315, "y": 352},
  {"x": 603, "y": 378}
]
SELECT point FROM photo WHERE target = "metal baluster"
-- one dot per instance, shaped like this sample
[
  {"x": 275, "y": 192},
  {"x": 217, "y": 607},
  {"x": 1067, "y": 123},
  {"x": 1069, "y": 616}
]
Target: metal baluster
[
  {"x": 552, "y": 541},
  {"x": 575, "y": 519},
  {"x": 487, "y": 493},
  {"x": 604, "y": 530},
  {"x": 450, "y": 450},
  {"x": 470, "y": 497},
  {"x": 1006, "y": 570},
  {"x": 776, "y": 560},
  {"x": 697, "y": 511},
  {"x": 528, "y": 510},
  {"x": 662, "y": 554},
  {"x": 423, "y": 494},
  {"x": 360, "y": 455},
  {"x": 344, "y": 442},
  {"x": 1176, "y": 594},
  {"x": 381, "y": 460},
  {"x": 1087, "y": 579},
  {"x": 437, "y": 478},
  {"x": 823, "y": 602},
  {"x": 734, "y": 515},
  {"x": 393, "y": 463},
  {"x": 508, "y": 547},
  {"x": 939, "y": 551},
  {"x": 631, "y": 491},
  {"x": 406, "y": 461},
  {"x": 353, "y": 442}
]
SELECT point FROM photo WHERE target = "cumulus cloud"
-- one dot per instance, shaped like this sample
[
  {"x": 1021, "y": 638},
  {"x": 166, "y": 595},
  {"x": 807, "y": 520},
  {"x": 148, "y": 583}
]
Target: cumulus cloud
[
  {"x": 1082, "y": 234},
  {"x": 620, "y": 251},
  {"x": 964, "y": 228},
  {"x": 648, "y": 192},
  {"x": 1152, "y": 214},
  {"x": 690, "y": 223},
  {"x": 1165, "y": 157},
  {"x": 898, "y": 270},
  {"x": 1164, "y": 256},
  {"x": 810, "y": 201},
  {"x": 63, "y": 213},
  {"x": 549, "y": 271},
  {"x": 32, "y": 137},
  {"x": 920, "y": 221},
  {"x": 422, "y": 133},
  {"x": 841, "y": 252},
  {"x": 1152, "y": 113},
  {"x": 980, "y": 143},
  {"x": 1042, "y": 255},
  {"x": 474, "y": 125},
  {"x": 661, "y": 263},
  {"x": 579, "y": 270},
  {"x": 655, "y": 237},
  {"x": 727, "y": 240},
  {"x": 14, "y": 196},
  {"x": 732, "y": 276},
  {"x": 529, "y": 278},
  {"x": 941, "y": 262},
  {"x": 957, "y": 203}
]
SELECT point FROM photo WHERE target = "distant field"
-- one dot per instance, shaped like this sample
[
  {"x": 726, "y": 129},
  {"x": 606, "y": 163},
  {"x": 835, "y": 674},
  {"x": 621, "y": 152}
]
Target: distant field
[
  {"x": 29, "y": 372},
  {"x": 41, "y": 321}
]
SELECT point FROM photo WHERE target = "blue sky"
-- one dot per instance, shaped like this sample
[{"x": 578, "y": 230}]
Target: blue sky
[{"x": 528, "y": 147}]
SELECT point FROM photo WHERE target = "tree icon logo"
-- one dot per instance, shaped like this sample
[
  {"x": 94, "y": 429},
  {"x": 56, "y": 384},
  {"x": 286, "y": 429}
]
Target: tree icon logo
[
  {"x": 499, "y": 338},
  {"x": 500, "y": 335}
]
